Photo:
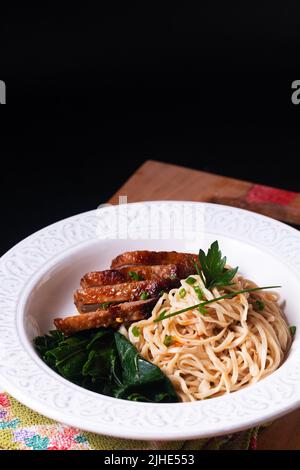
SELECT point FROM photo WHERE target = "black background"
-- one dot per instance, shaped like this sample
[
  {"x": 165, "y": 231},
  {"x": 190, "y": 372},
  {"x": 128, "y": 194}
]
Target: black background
[{"x": 93, "y": 91}]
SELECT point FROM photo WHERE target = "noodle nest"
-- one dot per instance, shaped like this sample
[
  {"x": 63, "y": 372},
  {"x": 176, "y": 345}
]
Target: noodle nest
[{"x": 235, "y": 343}]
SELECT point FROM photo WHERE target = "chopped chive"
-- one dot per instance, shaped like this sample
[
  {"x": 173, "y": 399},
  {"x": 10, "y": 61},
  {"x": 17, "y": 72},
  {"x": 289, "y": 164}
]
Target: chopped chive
[
  {"x": 202, "y": 310},
  {"x": 199, "y": 292},
  {"x": 104, "y": 305},
  {"x": 144, "y": 295},
  {"x": 182, "y": 292},
  {"x": 173, "y": 277},
  {"x": 191, "y": 280},
  {"x": 135, "y": 276},
  {"x": 292, "y": 330},
  {"x": 260, "y": 305},
  {"x": 136, "y": 331},
  {"x": 168, "y": 340},
  {"x": 206, "y": 302},
  {"x": 161, "y": 316}
]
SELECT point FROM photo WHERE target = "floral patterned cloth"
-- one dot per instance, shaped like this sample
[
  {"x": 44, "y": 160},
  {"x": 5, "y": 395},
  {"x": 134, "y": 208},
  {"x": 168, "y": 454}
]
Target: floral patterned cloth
[{"x": 23, "y": 429}]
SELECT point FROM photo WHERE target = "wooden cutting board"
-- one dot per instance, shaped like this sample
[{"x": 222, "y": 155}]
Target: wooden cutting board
[{"x": 160, "y": 181}]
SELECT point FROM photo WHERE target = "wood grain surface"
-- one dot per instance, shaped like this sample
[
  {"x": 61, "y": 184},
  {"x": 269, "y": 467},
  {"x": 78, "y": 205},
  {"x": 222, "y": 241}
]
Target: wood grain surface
[
  {"x": 160, "y": 181},
  {"x": 155, "y": 181}
]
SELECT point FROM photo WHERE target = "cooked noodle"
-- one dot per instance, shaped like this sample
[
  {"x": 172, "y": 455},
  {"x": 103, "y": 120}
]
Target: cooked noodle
[{"x": 232, "y": 345}]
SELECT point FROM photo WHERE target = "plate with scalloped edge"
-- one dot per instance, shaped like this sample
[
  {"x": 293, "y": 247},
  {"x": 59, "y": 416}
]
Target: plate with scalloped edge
[{"x": 39, "y": 275}]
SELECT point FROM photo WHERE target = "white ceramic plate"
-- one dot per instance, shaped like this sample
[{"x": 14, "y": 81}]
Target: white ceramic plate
[{"x": 38, "y": 277}]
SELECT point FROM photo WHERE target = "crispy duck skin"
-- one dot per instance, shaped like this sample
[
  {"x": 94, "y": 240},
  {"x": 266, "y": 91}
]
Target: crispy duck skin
[
  {"x": 123, "y": 274},
  {"x": 102, "y": 278},
  {"x": 183, "y": 261},
  {"x": 113, "y": 316},
  {"x": 89, "y": 299}
]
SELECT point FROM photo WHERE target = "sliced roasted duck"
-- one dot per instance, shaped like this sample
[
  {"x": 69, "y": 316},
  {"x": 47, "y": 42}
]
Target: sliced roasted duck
[
  {"x": 129, "y": 274},
  {"x": 183, "y": 261},
  {"x": 128, "y": 291},
  {"x": 113, "y": 316},
  {"x": 91, "y": 298}
]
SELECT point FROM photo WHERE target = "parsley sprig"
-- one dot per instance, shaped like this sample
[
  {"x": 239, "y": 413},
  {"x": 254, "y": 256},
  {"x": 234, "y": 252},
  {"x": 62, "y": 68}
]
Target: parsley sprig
[
  {"x": 213, "y": 273},
  {"x": 213, "y": 268}
]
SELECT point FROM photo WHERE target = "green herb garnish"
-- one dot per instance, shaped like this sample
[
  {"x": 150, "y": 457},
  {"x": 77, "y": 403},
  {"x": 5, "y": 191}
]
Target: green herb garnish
[
  {"x": 199, "y": 292},
  {"x": 144, "y": 295},
  {"x": 230, "y": 295},
  {"x": 191, "y": 280},
  {"x": 104, "y": 305},
  {"x": 135, "y": 276},
  {"x": 292, "y": 330},
  {"x": 202, "y": 310},
  {"x": 136, "y": 331},
  {"x": 260, "y": 305},
  {"x": 161, "y": 316},
  {"x": 173, "y": 277},
  {"x": 199, "y": 272},
  {"x": 168, "y": 340},
  {"x": 182, "y": 292},
  {"x": 213, "y": 267}
]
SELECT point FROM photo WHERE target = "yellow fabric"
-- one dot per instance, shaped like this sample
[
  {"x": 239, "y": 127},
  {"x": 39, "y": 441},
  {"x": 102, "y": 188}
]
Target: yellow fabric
[{"x": 24, "y": 429}]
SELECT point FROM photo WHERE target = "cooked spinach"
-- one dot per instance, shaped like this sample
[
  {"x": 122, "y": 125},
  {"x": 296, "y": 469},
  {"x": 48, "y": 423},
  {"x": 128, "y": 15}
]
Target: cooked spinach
[{"x": 105, "y": 361}]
